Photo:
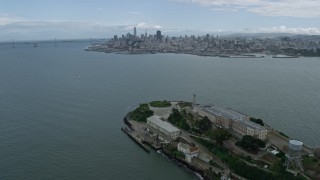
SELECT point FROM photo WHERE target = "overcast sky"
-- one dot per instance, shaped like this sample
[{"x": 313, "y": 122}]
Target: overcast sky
[{"x": 61, "y": 19}]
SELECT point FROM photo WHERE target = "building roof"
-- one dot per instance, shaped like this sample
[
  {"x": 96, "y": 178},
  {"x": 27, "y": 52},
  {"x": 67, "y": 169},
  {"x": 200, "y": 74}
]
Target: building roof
[
  {"x": 203, "y": 155},
  {"x": 183, "y": 145},
  {"x": 228, "y": 113},
  {"x": 194, "y": 149},
  {"x": 191, "y": 148},
  {"x": 253, "y": 125},
  {"x": 163, "y": 124},
  {"x": 232, "y": 115}
]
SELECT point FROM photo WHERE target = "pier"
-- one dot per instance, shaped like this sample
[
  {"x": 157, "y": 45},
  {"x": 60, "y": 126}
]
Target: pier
[{"x": 135, "y": 138}]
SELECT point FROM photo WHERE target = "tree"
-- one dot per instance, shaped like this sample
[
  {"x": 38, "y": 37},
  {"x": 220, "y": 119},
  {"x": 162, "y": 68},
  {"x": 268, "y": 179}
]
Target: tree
[
  {"x": 251, "y": 144},
  {"x": 219, "y": 135},
  {"x": 141, "y": 113},
  {"x": 258, "y": 121},
  {"x": 177, "y": 119},
  {"x": 204, "y": 124}
]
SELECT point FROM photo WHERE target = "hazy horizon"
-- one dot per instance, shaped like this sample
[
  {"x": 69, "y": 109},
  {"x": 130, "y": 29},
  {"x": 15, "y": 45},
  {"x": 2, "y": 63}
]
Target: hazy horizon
[{"x": 34, "y": 20}]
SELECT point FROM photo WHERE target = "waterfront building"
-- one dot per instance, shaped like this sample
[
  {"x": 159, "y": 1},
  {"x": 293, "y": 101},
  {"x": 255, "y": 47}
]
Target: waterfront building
[
  {"x": 189, "y": 152},
  {"x": 135, "y": 32},
  {"x": 164, "y": 129},
  {"x": 233, "y": 120}
]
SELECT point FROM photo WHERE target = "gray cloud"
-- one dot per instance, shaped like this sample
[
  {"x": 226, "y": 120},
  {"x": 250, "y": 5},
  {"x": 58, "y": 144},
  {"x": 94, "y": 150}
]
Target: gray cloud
[
  {"x": 292, "y": 30},
  {"x": 34, "y": 30},
  {"x": 37, "y": 30},
  {"x": 289, "y": 8}
]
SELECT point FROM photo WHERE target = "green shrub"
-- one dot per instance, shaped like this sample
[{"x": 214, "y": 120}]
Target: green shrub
[
  {"x": 283, "y": 134},
  {"x": 251, "y": 144},
  {"x": 258, "y": 121},
  {"x": 141, "y": 113},
  {"x": 204, "y": 124},
  {"x": 160, "y": 103},
  {"x": 178, "y": 120}
]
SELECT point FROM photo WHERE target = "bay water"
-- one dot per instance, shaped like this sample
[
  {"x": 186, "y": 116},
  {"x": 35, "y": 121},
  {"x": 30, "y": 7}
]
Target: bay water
[{"x": 61, "y": 108}]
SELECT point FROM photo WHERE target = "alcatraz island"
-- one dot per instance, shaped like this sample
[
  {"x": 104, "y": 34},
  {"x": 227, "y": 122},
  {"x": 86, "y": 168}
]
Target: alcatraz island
[{"x": 219, "y": 143}]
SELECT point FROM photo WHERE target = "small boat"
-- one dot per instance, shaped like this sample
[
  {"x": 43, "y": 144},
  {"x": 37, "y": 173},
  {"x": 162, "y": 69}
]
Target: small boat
[{"x": 35, "y": 44}]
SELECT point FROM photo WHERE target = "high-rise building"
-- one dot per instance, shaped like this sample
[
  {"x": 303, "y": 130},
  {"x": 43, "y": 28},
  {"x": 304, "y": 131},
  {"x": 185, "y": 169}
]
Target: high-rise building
[
  {"x": 166, "y": 40},
  {"x": 135, "y": 32},
  {"x": 159, "y": 35},
  {"x": 115, "y": 38}
]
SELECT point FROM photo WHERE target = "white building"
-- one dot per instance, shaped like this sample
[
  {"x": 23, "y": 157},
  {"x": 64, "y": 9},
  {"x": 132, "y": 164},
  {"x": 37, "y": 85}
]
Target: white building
[
  {"x": 188, "y": 151},
  {"x": 163, "y": 128},
  {"x": 231, "y": 119}
]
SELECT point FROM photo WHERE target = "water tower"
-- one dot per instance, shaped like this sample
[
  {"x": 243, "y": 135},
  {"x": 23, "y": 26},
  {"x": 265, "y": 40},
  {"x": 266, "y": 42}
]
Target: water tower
[{"x": 293, "y": 157}]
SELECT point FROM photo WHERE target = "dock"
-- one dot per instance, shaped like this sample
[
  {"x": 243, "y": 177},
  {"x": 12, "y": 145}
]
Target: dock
[
  {"x": 127, "y": 123},
  {"x": 135, "y": 139}
]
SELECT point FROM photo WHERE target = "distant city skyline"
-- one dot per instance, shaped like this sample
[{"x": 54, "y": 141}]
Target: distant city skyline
[{"x": 34, "y": 19}]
